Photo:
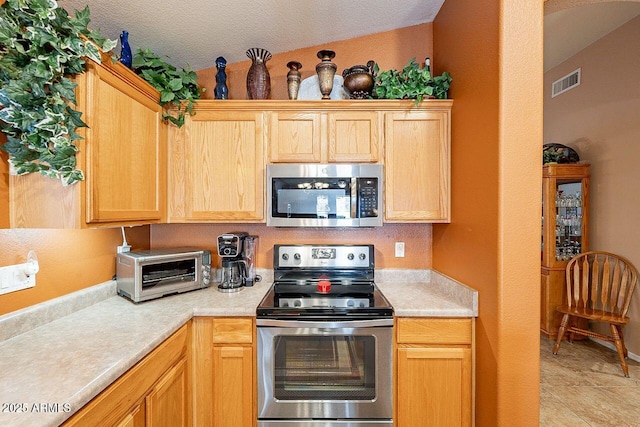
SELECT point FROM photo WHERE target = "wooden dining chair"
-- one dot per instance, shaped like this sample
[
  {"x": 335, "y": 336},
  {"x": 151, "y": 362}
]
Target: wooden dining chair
[{"x": 599, "y": 288}]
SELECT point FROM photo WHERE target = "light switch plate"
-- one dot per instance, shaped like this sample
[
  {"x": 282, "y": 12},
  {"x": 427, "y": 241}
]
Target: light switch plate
[{"x": 399, "y": 249}]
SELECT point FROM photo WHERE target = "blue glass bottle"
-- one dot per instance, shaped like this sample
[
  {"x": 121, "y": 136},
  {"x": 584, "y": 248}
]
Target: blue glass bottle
[{"x": 125, "y": 50}]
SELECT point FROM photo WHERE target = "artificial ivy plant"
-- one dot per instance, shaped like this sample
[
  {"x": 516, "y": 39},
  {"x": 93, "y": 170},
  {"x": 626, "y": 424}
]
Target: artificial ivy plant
[
  {"x": 178, "y": 88},
  {"x": 412, "y": 82},
  {"x": 41, "y": 48}
]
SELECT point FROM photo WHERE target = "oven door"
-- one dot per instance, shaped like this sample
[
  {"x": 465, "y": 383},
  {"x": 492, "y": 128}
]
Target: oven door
[{"x": 325, "y": 370}]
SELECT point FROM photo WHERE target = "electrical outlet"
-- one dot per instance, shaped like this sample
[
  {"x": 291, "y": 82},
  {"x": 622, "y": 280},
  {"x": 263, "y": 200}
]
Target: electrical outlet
[
  {"x": 15, "y": 278},
  {"x": 399, "y": 249}
]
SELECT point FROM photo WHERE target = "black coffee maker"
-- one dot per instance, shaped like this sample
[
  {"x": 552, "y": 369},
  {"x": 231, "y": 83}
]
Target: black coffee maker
[{"x": 237, "y": 252}]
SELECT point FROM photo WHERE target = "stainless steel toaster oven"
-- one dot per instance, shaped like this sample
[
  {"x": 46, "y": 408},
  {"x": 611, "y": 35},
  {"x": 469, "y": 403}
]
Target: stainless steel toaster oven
[{"x": 155, "y": 273}]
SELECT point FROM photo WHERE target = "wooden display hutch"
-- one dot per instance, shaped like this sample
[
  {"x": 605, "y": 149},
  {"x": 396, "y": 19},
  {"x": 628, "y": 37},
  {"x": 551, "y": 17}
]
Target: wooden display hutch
[{"x": 565, "y": 233}]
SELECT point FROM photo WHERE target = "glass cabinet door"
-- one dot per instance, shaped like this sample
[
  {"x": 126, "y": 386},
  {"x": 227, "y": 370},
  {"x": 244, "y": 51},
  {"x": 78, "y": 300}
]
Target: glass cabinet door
[{"x": 568, "y": 221}]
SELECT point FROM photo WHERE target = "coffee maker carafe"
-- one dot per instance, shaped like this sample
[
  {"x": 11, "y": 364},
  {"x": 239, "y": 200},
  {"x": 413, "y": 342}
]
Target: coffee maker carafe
[{"x": 237, "y": 253}]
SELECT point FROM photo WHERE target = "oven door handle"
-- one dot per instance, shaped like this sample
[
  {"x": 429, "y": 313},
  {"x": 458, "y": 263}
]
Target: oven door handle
[{"x": 372, "y": 323}]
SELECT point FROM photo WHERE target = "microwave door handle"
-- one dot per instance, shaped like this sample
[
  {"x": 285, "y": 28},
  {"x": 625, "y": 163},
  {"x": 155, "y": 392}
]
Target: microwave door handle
[{"x": 354, "y": 197}]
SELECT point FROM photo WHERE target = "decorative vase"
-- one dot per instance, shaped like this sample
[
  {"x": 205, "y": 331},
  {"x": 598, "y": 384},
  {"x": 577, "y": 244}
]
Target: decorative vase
[
  {"x": 258, "y": 79},
  {"x": 293, "y": 78},
  {"x": 326, "y": 70},
  {"x": 359, "y": 80},
  {"x": 125, "y": 50},
  {"x": 221, "y": 91}
]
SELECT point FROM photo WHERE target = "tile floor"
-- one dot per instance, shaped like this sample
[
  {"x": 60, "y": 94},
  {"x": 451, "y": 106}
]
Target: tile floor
[{"x": 583, "y": 386}]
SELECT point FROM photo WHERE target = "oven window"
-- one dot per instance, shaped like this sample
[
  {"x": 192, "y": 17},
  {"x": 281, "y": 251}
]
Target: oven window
[
  {"x": 168, "y": 272},
  {"x": 324, "y": 367}
]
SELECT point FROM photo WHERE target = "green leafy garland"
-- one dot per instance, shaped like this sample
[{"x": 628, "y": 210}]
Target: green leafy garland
[
  {"x": 178, "y": 88},
  {"x": 41, "y": 47},
  {"x": 412, "y": 82}
]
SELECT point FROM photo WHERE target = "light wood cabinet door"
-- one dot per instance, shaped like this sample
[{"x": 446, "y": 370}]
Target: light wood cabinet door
[
  {"x": 296, "y": 137},
  {"x": 126, "y": 151},
  {"x": 135, "y": 418},
  {"x": 224, "y": 167},
  {"x": 434, "y": 372},
  {"x": 434, "y": 387},
  {"x": 417, "y": 166},
  {"x": 123, "y": 156},
  {"x": 167, "y": 403},
  {"x": 354, "y": 136},
  {"x": 233, "y": 386},
  {"x": 319, "y": 136},
  {"x": 224, "y": 361}
]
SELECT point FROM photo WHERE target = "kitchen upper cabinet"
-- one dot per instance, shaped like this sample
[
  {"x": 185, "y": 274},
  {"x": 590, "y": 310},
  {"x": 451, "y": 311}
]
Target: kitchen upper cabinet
[
  {"x": 123, "y": 156},
  {"x": 224, "y": 362},
  {"x": 216, "y": 166},
  {"x": 154, "y": 392},
  {"x": 417, "y": 163},
  {"x": 323, "y": 135},
  {"x": 434, "y": 372}
]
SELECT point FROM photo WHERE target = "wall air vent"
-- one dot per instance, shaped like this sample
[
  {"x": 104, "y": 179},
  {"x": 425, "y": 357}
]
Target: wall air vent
[{"x": 566, "y": 83}]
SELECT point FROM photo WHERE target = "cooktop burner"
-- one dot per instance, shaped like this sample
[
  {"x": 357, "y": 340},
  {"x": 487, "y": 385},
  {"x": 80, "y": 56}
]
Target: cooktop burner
[{"x": 324, "y": 282}]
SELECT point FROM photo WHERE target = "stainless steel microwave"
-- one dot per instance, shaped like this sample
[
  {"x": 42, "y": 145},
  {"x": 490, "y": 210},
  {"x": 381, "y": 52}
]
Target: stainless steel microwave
[
  {"x": 155, "y": 273},
  {"x": 324, "y": 195}
]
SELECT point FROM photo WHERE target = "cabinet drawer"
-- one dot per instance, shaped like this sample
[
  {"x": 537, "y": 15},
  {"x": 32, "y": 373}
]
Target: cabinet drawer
[
  {"x": 233, "y": 330},
  {"x": 433, "y": 331}
]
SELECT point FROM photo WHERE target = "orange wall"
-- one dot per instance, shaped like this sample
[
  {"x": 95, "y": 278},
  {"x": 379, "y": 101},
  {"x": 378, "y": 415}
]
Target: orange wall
[
  {"x": 601, "y": 120},
  {"x": 69, "y": 260},
  {"x": 390, "y": 49},
  {"x": 417, "y": 238},
  {"x": 493, "y": 49}
]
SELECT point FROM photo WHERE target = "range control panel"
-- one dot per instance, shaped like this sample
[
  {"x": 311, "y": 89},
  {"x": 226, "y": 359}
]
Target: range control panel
[{"x": 325, "y": 256}]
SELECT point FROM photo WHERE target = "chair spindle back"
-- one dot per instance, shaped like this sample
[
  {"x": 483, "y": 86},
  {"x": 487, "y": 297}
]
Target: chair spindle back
[{"x": 600, "y": 281}]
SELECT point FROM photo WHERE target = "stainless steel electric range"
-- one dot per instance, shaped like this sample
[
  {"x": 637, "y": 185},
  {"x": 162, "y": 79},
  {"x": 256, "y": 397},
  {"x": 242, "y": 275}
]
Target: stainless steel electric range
[{"x": 324, "y": 340}]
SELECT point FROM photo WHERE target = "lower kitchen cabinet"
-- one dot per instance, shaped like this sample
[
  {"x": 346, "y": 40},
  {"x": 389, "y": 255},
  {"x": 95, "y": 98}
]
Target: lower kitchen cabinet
[
  {"x": 155, "y": 392},
  {"x": 434, "y": 372},
  {"x": 224, "y": 363}
]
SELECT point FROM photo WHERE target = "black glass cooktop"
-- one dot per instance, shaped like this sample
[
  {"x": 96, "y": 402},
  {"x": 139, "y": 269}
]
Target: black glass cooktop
[{"x": 286, "y": 301}]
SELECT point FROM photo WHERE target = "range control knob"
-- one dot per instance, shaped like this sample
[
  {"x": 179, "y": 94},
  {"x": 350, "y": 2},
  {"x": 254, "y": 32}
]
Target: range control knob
[
  {"x": 350, "y": 257},
  {"x": 285, "y": 256},
  {"x": 285, "y": 304},
  {"x": 297, "y": 303},
  {"x": 362, "y": 256},
  {"x": 350, "y": 303},
  {"x": 296, "y": 256}
]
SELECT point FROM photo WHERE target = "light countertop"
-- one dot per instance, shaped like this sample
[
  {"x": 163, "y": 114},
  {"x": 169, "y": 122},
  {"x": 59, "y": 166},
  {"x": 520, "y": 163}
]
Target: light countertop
[{"x": 63, "y": 352}]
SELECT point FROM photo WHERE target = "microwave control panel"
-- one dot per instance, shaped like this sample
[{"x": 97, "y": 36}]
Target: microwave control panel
[{"x": 368, "y": 197}]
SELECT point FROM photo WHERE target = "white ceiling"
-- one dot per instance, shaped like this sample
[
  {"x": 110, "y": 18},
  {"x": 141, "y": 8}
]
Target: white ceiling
[
  {"x": 198, "y": 31},
  {"x": 195, "y": 32}
]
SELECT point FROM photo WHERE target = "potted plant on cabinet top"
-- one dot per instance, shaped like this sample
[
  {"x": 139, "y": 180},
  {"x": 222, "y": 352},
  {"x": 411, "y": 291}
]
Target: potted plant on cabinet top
[{"x": 412, "y": 82}]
